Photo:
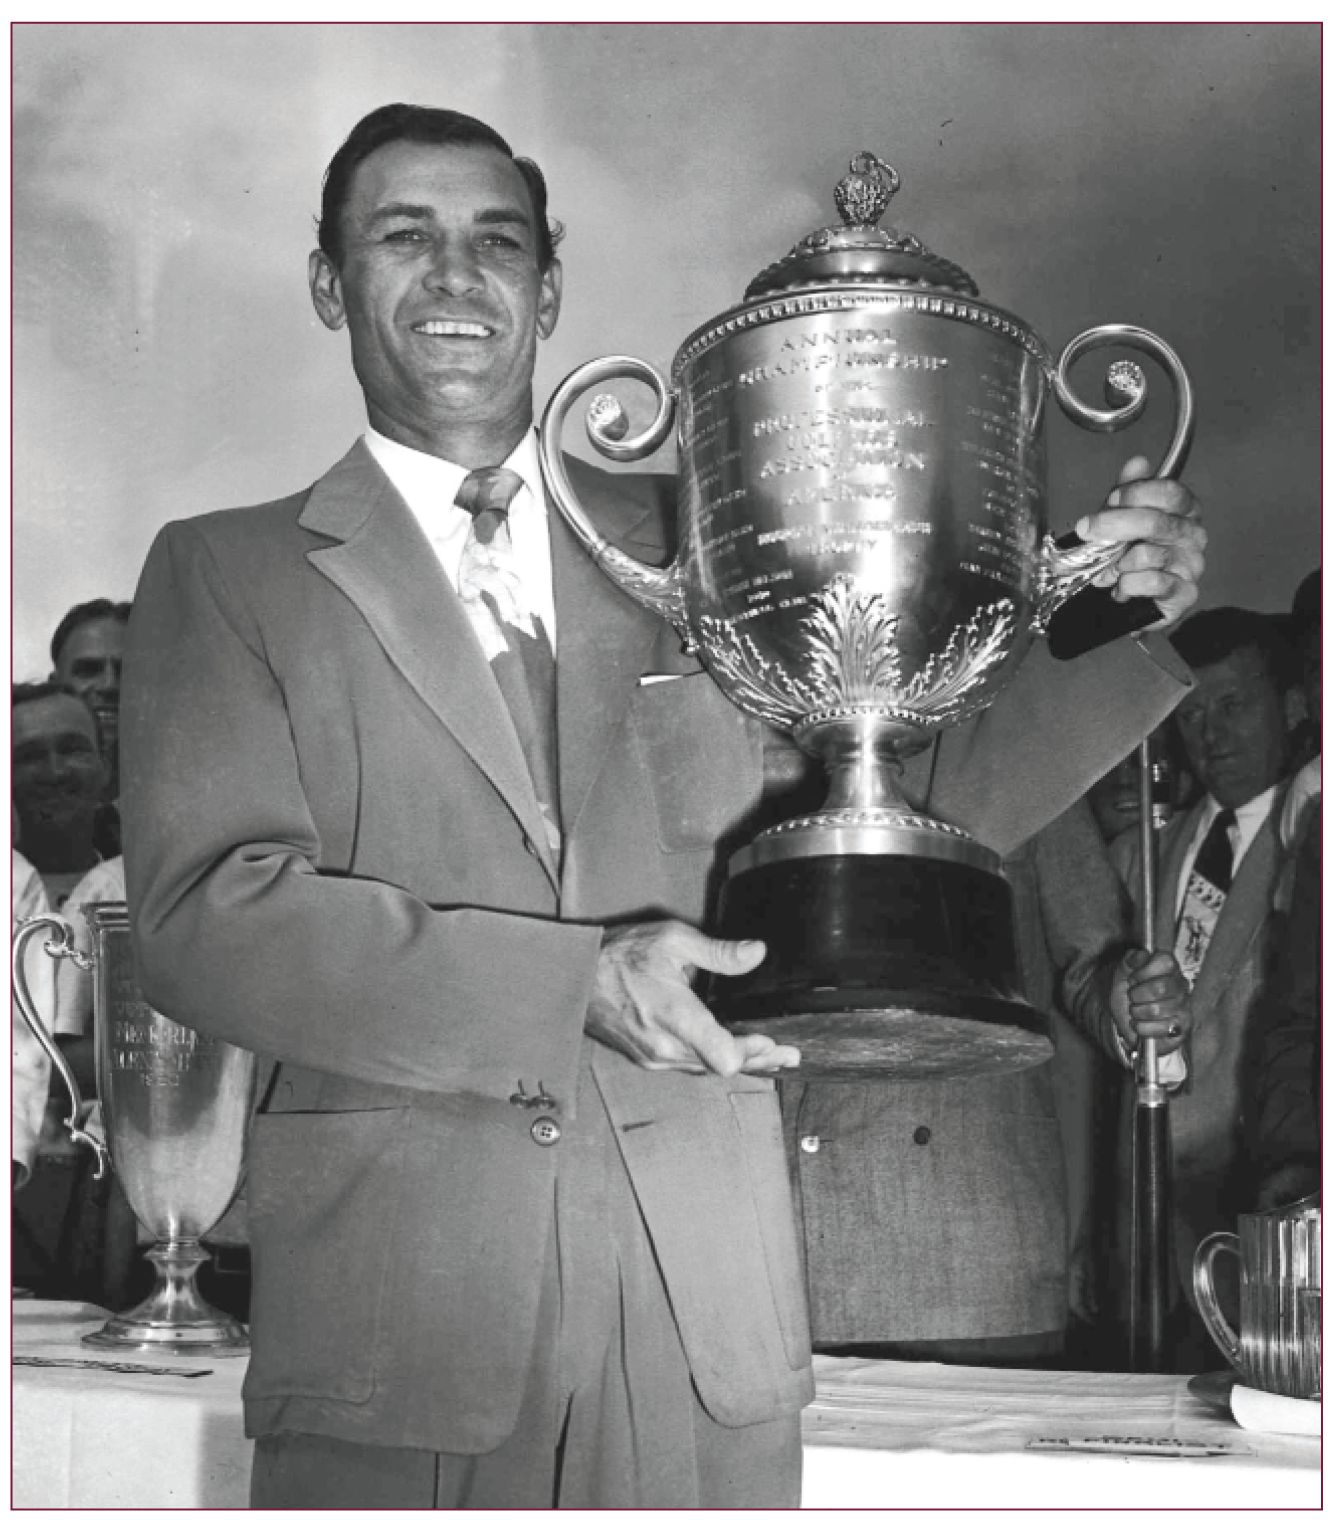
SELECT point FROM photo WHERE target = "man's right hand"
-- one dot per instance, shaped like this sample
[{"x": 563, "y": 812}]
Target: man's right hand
[
  {"x": 1150, "y": 1000},
  {"x": 643, "y": 1005}
]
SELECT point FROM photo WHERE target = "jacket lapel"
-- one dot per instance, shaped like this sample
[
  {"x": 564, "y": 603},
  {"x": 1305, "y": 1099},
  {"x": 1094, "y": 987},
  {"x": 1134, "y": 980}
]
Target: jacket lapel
[
  {"x": 1247, "y": 905},
  {"x": 1173, "y": 848},
  {"x": 382, "y": 562},
  {"x": 605, "y": 637}
]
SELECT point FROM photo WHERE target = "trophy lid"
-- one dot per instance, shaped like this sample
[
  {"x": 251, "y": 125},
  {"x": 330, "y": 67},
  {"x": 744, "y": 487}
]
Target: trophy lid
[{"x": 858, "y": 249}]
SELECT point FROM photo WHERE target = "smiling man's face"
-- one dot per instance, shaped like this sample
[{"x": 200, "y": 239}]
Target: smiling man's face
[
  {"x": 57, "y": 769},
  {"x": 440, "y": 288},
  {"x": 1234, "y": 727}
]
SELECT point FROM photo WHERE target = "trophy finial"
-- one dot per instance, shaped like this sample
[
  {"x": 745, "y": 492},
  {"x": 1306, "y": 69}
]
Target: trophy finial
[{"x": 864, "y": 193}]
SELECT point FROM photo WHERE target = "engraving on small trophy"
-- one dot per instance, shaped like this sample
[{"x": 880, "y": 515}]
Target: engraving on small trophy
[{"x": 156, "y": 1050}]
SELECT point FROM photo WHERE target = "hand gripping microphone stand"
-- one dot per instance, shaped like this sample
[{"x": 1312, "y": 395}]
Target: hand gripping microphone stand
[{"x": 1149, "y": 1244}]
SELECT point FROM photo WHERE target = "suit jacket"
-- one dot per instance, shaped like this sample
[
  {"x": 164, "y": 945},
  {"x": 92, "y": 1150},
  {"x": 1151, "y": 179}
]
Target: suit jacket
[
  {"x": 939, "y": 1209},
  {"x": 1283, "y": 1105},
  {"x": 335, "y": 857},
  {"x": 1206, "y": 1114}
]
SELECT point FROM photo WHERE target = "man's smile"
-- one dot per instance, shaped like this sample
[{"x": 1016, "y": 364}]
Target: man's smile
[{"x": 469, "y": 329}]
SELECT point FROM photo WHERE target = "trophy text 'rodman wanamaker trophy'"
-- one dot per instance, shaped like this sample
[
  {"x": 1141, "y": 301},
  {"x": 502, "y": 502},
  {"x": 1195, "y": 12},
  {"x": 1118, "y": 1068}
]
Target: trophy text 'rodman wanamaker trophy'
[
  {"x": 863, "y": 560},
  {"x": 175, "y": 1110}
]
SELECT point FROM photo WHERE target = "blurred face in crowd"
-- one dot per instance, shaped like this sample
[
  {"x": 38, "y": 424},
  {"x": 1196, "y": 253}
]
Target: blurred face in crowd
[
  {"x": 440, "y": 287},
  {"x": 1234, "y": 727},
  {"x": 1115, "y": 799},
  {"x": 90, "y": 664},
  {"x": 58, "y": 778}
]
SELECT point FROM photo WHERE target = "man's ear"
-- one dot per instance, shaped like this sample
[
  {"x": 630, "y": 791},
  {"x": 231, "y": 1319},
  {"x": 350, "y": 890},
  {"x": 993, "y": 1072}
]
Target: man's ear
[
  {"x": 547, "y": 309},
  {"x": 1293, "y": 705},
  {"x": 324, "y": 285}
]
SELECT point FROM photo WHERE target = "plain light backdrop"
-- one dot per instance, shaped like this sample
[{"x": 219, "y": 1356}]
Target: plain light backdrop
[{"x": 166, "y": 359}]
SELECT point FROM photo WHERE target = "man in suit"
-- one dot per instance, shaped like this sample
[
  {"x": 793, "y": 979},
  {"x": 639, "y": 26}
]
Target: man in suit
[
  {"x": 1219, "y": 861},
  {"x": 519, "y": 1209}
]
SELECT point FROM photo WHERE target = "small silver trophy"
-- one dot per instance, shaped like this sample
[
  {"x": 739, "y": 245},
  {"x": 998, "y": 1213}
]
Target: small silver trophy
[
  {"x": 1279, "y": 1345},
  {"x": 175, "y": 1107}
]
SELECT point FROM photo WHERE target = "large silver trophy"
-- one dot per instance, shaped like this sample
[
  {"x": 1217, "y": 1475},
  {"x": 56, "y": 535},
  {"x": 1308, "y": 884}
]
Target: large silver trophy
[
  {"x": 863, "y": 561},
  {"x": 175, "y": 1107}
]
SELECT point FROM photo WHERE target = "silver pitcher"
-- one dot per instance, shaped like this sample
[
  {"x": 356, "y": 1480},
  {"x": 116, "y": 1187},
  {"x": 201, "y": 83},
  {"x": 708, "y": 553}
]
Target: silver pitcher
[
  {"x": 1279, "y": 1346},
  {"x": 175, "y": 1108},
  {"x": 863, "y": 561}
]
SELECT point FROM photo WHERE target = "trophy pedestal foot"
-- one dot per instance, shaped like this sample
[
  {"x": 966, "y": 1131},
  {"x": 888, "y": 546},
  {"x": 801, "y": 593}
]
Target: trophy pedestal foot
[
  {"x": 894, "y": 965},
  {"x": 174, "y": 1319}
]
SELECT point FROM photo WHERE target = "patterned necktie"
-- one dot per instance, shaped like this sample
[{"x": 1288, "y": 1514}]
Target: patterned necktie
[
  {"x": 514, "y": 640},
  {"x": 1204, "y": 896}
]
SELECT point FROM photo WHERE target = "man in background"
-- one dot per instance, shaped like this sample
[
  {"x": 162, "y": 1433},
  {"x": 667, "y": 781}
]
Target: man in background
[
  {"x": 1219, "y": 861},
  {"x": 86, "y": 659},
  {"x": 59, "y": 779}
]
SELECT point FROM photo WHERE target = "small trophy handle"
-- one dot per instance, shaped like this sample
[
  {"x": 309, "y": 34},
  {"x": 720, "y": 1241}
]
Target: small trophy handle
[
  {"x": 62, "y": 946},
  {"x": 1068, "y": 564},
  {"x": 1204, "y": 1291},
  {"x": 661, "y": 590}
]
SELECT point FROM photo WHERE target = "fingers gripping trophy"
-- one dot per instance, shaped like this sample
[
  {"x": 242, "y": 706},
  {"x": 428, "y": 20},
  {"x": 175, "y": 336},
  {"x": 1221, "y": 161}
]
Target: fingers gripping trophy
[
  {"x": 176, "y": 1106},
  {"x": 863, "y": 561}
]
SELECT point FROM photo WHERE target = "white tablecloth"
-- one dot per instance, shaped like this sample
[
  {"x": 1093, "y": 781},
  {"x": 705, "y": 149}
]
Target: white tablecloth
[
  {"x": 884, "y": 1433},
  {"x": 881, "y": 1434},
  {"x": 96, "y": 1439}
]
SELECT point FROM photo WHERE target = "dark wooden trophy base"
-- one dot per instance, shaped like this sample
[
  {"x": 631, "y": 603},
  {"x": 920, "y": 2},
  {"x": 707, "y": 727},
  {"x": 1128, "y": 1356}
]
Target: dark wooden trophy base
[{"x": 881, "y": 966}]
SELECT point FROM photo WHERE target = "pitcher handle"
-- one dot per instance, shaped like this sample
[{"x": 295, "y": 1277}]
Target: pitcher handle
[
  {"x": 660, "y": 590},
  {"x": 1204, "y": 1292},
  {"x": 59, "y": 948},
  {"x": 1068, "y": 564}
]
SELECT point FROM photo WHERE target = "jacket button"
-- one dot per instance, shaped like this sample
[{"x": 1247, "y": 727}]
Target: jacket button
[
  {"x": 923, "y": 1136},
  {"x": 809, "y": 1144},
  {"x": 545, "y": 1130}
]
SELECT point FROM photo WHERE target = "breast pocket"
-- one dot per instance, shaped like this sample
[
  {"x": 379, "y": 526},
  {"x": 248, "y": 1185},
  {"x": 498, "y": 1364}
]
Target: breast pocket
[{"x": 702, "y": 758}]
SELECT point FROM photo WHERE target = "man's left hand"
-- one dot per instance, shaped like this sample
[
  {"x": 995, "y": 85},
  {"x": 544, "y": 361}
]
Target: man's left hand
[{"x": 1161, "y": 521}]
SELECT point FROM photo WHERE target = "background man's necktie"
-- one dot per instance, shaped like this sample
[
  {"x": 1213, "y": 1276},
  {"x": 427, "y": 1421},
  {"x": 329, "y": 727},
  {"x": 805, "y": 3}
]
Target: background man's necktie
[
  {"x": 514, "y": 641},
  {"x": 1205, "y": 896}
]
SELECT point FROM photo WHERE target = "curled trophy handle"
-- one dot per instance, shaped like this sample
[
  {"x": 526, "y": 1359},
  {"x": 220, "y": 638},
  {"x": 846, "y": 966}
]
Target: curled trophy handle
[
  {"x": 660, "y": 590},
  {"x": 62, "y": 947},
  {"x": 1069, "y": 564},
  {"x": 1204, "y": 1292}
]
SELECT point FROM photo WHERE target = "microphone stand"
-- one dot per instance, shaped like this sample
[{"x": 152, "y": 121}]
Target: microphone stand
[{"x": 1148, "y": 1287}]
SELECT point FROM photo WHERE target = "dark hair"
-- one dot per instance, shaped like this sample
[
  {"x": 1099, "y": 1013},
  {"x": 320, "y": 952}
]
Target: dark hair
[
  {"x": 1207, "y": 637},
  {"x": 88, "y": 611},
  {"x": 424, "y": 124},
  {"x": 39, "y": 690}
]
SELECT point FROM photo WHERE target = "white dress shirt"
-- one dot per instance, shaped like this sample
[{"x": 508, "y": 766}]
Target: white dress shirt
[
  {"x": 30, "y": 1068},
  {"x": 1249, "y": 819},
  {"x": 429, "y": 486}
]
